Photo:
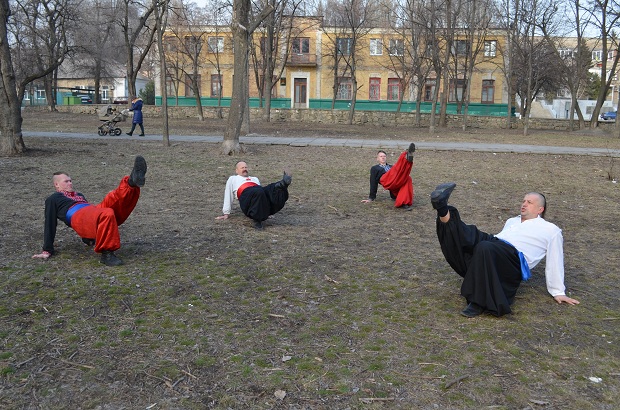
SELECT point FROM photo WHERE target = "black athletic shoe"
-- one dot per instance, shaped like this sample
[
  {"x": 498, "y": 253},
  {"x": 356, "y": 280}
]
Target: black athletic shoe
[
  {"x": 472, "y": 310},
  {"x": 410, "y": 152},
  {"x": 258, "y": 225},
  {"x": 140, "y": 135},
  {"x": 109, "y": 259},
  {"x": 287, "y": 178},
  {"x": 88, "y": 242},
  {"x": 407, "y": 207},
  {"x": 137, "y": 176},
  {"x": 439, "y": 197},
  {"x": 128, "y": 133}
]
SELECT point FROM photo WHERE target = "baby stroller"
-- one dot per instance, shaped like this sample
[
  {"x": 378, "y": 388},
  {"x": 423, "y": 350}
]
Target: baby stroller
[{"x": 110, "y": 117}]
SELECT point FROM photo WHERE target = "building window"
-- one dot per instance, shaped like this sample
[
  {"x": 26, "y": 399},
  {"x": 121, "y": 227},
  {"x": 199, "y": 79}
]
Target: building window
[
  {"x": 397, "y": 47},
  {"x": 344, "y": 89},
  {"x": 488, "y": 92},
  {"x": 429, "y": 49},
  {"x": 171, "y": 45},
  {"x": 193, "y": 45},
  {"x": 597, "y": 55},
  {"x": 374, "y": 90},
  {"x": 376, "y": 47},
  {"x": 429, "y": 89},
  {"x": 170, "y": 88},
  {"x": 567, "y": 53},
  {"x": 460, "y": 48},
  {"x": 300, "y": 45},
  {"x": 394, "y": 89},
  {"x": 344, "y": 46},
  {"x": 490, "y": 48},
  {"x": 216, "y": 44},
  {"x": 189, "y": 92},
  {"x": 105, "y": 93},
  {"x": 456, "y": 90},
  {"x": 215, "y": 85}
]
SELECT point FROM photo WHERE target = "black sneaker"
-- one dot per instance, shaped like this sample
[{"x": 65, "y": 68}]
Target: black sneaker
[
  {"x": 88, "y": 242},
  {"x": 439, "y": 197},
  {"x": 472, "y": 310},
  {"x": 137, "y": 176},
  {"x": 109, "y": 259},
  {"x": 140, "y": 135},
  {"x": 287, "y": 178},
  {"x": 258, "y": 225},
  {"x": 410, "y": 152},
  {"x": 128, "y": 133}
]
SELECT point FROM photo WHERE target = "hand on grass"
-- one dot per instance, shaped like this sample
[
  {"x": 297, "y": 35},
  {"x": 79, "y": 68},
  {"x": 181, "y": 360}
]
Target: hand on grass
[
  {"x": 42, "y": 255},
  {"x": 565, "y": 299}
]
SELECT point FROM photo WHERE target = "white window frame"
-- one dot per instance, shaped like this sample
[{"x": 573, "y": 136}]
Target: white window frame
[
  {"x": 490, "y": 48},
  {"x": 376, "y": 47},
  {"x": 216, "y": 44}
]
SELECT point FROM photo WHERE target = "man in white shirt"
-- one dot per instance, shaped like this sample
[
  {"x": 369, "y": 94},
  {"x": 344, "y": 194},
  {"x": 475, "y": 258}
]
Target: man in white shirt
[
  {"x": 256, "y": 202},
  {"x": 493, "y": 266}
]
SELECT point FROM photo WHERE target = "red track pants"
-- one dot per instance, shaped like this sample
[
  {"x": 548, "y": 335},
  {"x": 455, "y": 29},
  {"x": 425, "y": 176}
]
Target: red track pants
[
  {"x": 398, "y": 181},
  {"x": 100, "y": 222}
]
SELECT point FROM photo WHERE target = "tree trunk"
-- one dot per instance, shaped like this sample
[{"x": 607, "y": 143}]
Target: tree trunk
[
  {"x": 11, "y": 141},
  {"x": 238, "y": 100}
]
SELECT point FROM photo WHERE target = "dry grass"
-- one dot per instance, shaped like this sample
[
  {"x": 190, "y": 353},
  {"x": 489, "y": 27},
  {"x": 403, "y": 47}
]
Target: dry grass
[{"x": 337, "y": 303}]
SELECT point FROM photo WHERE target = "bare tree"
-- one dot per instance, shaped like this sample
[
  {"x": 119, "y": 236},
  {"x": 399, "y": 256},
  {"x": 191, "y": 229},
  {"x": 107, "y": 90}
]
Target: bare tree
[
  {"x": 242, "y": 28},
  {"x": 138, "y": 36},
  {"x": 40, "y": 32},
  {"x": 475, "y": 23},
  {"x": 411, "y": 67},
  {"x": 606, "y": 19},
  {"x": 270, "y": 57},
  {"x": 351, "y": 21},
  {"x": 191, "y": 40},
  {"x": 94, "y": 43},
  {"x": 574, "y": 60},
  {"x": 434, "y": 53},
  {"x": 161, "y": 20},
  {"x": 11, "y": 141}
]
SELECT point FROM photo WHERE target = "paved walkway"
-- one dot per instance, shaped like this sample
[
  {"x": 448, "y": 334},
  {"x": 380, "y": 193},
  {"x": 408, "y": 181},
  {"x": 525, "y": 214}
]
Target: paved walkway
[{"x": 351, "y": 142}]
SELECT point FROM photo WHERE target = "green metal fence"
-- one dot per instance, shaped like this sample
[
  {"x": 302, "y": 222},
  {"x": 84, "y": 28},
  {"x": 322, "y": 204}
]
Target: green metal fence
[{"x": 497, "y": 110}]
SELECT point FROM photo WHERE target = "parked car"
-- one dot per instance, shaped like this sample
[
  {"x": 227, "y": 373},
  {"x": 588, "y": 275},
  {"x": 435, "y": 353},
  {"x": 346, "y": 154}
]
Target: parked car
[
  {"x": 85, "y": 99},
  {"x": 121, "y": 100},
  {"x": 609, "y": 116}
]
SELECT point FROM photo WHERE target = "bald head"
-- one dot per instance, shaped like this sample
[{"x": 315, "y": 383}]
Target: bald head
[{"x": 241, "y": 168}]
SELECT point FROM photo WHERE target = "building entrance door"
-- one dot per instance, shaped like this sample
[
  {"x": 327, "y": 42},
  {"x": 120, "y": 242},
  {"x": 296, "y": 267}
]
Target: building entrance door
[{"x": 299, "y": 99}]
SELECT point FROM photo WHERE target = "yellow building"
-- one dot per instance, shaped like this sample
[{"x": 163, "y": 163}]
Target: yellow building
[{"x": 315, "y": 62}]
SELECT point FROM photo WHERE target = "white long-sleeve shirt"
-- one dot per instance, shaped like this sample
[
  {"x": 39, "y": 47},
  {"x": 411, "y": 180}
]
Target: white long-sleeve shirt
[
  {"x": 230, "y": 193},
  {"x": 537, "y": 238}
]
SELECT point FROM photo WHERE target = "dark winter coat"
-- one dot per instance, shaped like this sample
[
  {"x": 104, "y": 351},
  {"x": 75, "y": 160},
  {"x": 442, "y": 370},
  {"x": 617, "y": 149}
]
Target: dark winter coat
[{"x": 136, "y": 107}]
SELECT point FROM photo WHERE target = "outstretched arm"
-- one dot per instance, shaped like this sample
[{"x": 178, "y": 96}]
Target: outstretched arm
[{"x": 228, "y": 199}]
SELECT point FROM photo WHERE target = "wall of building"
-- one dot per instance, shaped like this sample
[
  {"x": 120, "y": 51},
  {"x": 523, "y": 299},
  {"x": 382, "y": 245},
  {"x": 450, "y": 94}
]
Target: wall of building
[{"x": 371, "y": 118}]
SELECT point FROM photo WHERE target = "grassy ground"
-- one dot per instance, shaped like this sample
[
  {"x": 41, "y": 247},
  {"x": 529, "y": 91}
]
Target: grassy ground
[{"x": 335, "y": 305}]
